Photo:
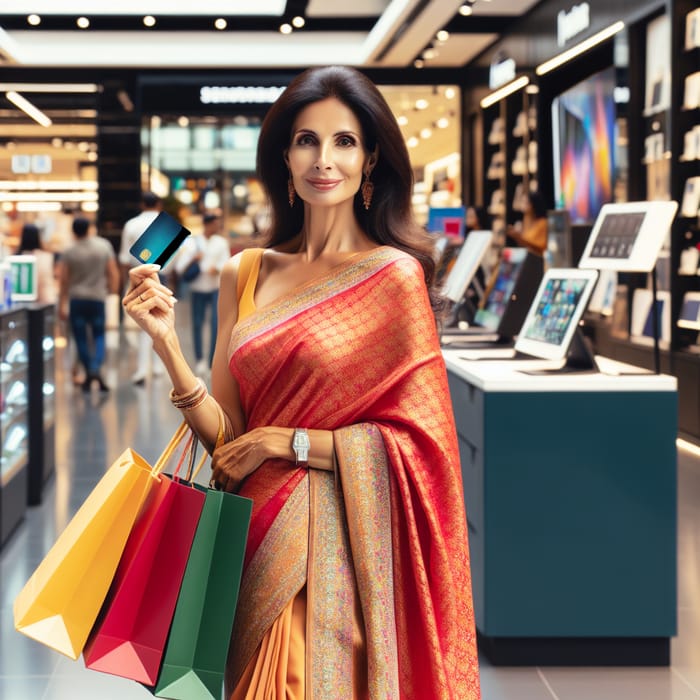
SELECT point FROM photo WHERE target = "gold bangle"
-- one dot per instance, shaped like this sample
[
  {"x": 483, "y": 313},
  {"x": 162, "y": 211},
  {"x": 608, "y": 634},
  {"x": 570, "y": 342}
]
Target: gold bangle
[{"x": 192, "y": 399}]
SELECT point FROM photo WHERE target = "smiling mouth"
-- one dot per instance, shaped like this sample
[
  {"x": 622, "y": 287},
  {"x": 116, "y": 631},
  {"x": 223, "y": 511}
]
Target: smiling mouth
[{"x": 324, "y": 185}]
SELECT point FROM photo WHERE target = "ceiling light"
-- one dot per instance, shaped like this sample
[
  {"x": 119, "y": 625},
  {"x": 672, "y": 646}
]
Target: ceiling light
[
  {"x": 504, "y": 91},
  {"x": 418, "y": 63},
  {"x": 422, "y": 104},
  {"x": 28, "y": 108},
  {"x": 450, "y": 93},
  {"x": 429, "y": 53},
  {"x": 443, "y": 35},
  {"x": 285, "y": 28},
  {"x": 183, "y": 121},
  {"x": 48, "y": 185},
  {"x": 49, "y": 87},
  {"x": 56, "y": 142},
  {"x": 412, "y": 142},
  {"x": 83, "y": 22},
  {"x": 92, "y": 156},
  {"x": 402, "y": 120},
  {"x": 574, "y": 51},
  {"x": 220, "y": 23},
  {"x": 426, "y": 133},
  {"x": 38, "y": 206},
  {"x": 532, "y": 89},
  {"x": 442, "y": 123},
  {"x": 298, "y": 22},
  {"x": 34, "y": 20},
  {"x": 465, "y": 10},
  {"x": 149, "y": 21}
]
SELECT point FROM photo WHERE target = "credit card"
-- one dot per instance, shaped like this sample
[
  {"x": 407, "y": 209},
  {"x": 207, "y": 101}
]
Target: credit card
[{"x": 159, "y": 242}]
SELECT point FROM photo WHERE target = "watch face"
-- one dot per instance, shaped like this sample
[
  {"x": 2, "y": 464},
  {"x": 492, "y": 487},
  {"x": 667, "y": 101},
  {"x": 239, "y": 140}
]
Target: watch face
[{"x": 301, "y": 440}]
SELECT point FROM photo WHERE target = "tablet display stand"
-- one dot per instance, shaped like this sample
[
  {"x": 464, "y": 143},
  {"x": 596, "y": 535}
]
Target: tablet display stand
[{"x": 641, "y": 228}]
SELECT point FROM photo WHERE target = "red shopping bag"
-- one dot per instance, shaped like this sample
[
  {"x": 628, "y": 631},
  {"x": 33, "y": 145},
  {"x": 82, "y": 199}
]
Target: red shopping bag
[{"x": 129, "y": 637}]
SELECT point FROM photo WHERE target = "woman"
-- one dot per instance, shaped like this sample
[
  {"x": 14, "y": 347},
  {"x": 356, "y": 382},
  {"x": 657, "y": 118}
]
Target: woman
[
  {"x": 30, "y": 244},
  {"x": 533, "y": 232},
  {"x": 338, "y": 417}
]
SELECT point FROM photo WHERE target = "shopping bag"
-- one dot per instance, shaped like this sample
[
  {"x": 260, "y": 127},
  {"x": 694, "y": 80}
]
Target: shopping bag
[
  {"x": 129, "y": 637},
  {"x": 195, "y": 655},
  {"x": 61, "y": 600}
]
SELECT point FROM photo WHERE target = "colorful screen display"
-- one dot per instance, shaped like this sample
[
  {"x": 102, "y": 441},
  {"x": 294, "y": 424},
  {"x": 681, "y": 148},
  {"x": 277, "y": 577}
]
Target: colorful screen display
[
  {"x": 508, "y": 270},
  {"x": 583, "y": 120}
]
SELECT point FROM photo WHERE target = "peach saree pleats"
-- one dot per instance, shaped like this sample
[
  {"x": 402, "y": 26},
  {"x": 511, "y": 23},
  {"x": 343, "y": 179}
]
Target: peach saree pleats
[{"x": 384, "y": 557}]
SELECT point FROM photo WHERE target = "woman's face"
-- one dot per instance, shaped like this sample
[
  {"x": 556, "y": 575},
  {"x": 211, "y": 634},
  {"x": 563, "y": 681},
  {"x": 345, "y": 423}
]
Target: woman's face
[{"x": 326, "y": 156}]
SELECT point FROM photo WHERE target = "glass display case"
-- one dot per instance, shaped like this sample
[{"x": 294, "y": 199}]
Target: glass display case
[
  {"x": 14, "y": 418},
  {"x": 41, "y": 319}
]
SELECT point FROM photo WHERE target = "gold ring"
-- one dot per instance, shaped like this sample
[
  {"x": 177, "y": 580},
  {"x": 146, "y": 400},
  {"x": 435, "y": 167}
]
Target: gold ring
[{"x": 141, "y": 299}]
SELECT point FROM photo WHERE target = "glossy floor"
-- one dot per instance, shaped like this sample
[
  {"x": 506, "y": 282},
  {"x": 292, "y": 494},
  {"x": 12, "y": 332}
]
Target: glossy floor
[{"x": 93, "y": 429}]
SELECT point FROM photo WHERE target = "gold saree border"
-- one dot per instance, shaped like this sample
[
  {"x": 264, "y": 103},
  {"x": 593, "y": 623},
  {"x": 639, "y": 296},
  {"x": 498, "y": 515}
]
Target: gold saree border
[{"x": 275, "y": 574}]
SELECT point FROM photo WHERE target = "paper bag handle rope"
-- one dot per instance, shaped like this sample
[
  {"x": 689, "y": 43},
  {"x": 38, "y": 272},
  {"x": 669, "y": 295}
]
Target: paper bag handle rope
[
  {"x": 219, "y": 440},
  {"x": 169, "y": 449}
]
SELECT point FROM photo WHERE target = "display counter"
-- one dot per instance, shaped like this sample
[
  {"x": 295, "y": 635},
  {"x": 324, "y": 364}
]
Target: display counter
[
  {"x": 14, "y": 419},
  {"x": 570, "y": 491}
]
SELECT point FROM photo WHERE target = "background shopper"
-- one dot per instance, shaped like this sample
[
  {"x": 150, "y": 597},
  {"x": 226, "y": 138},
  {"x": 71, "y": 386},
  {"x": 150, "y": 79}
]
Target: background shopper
[{"x": 88, "y": 272}]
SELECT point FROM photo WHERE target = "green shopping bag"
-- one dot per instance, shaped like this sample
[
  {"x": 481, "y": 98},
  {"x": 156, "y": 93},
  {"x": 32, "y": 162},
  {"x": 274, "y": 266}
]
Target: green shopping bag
[{"x": 195, "y": 655}]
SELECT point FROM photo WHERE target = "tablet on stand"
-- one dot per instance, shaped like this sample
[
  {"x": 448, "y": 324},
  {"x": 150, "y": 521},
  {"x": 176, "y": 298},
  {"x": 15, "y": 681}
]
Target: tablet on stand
[{"x": 628, "y": 237}]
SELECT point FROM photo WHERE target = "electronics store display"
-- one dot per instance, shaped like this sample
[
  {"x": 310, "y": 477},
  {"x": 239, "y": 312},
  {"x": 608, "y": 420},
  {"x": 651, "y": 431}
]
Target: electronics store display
[
  {"x": 641, "y": 320},
  {"x": 552, "y": 320},
  {"x": 690, "y": 311},
  {"x": 470, "y": 256},
  {"x": 628, "y": 237}
]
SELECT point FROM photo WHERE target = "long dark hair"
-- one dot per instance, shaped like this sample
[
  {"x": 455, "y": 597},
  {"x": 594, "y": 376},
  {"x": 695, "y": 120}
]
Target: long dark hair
[
  {"x": 30, "y": 239},
  {"x": 389, "y": 220}
]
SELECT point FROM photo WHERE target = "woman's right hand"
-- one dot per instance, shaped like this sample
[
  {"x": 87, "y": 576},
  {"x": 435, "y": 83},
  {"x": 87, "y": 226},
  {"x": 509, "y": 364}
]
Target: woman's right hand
[{"x": 149, "y": 302}]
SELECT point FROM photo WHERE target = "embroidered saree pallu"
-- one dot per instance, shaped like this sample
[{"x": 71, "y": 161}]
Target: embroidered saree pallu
[
  {"x": 129, "y": 637},
  {"x": 378, "y": 564},
  {"x": 195, "y": 655},
  {"x": 62, "y": 599}
]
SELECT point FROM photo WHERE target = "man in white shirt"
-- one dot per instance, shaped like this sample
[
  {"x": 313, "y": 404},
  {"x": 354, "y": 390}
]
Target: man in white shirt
[
  {"x": 133, "y": 228},
  {"x": 211, "y": 250}
]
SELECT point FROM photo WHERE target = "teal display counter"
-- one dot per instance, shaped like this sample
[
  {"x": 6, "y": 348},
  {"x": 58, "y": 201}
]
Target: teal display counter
[{"x": 570, "y": 490}]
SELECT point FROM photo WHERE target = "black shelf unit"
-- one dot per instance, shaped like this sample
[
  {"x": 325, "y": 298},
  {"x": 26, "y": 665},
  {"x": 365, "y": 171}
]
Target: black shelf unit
[
  {"x": 14, "y": 419},
  {"x": 42, "y": 402}
]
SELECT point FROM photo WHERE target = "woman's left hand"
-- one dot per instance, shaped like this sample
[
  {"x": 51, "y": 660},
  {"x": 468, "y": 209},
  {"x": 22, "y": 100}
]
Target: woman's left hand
[{"x": 234, "y": 461}]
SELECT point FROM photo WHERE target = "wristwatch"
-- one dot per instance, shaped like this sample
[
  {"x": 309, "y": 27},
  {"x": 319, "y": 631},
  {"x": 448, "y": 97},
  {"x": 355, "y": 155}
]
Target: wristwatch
[{"x": 301, "y": 445}]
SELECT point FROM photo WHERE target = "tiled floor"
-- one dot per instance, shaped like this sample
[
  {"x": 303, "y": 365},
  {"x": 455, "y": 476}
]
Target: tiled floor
[{"x": 93, "y": 430}]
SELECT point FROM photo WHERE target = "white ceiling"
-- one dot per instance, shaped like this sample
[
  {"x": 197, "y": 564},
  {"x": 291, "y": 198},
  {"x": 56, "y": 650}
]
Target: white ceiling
[{"x": 264, "y": 49}]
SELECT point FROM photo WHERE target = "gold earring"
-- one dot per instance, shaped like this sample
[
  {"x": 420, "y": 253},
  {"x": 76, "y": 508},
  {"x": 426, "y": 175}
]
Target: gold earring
[
  {"x": 367, "y": 190},
  {"x": 291, "y": 192}
]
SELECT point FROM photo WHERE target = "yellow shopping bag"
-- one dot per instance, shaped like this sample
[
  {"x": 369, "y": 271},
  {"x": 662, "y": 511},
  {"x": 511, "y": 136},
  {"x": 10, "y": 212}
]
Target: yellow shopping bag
[{"x": 60, "y": 603}]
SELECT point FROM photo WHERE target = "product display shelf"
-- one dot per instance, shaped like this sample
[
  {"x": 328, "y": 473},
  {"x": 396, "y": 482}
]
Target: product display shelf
[
  {"x": 14, "y": 419},
  {"x": 685, "y": 171},
  {"x": 42, "y": 410},
  {"x": 521, "y": 151}
]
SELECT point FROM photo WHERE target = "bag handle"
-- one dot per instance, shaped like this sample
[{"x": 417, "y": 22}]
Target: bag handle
[
  {"x": 169, "y": 449},
  {"x": 219, "y": 440}
]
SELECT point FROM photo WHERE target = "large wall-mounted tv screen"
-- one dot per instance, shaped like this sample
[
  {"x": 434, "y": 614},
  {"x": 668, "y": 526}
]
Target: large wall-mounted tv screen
[{"x": 583, "y": 120}]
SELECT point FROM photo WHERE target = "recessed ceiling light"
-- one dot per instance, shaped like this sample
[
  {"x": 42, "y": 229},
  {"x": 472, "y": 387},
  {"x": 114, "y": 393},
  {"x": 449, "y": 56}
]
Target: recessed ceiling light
[
  {"x": 418, "y": 63},
  {"x": 402, "y": 120},
  {"x": 149, "y": 21},
  {"x": 83, "y": 22},
  {"x": 465, "y": 10},
  {"x": 183, "y": 121},
  {"x": 442, "y": 35},
  {"x": 412, "y": 142},
  {"x": 286, "y": 28},
  {"x": 220, "y": 23},
  {"x": 34, "y": 20},
  {"x": 298, "y": 21},
  {"x": 426, "y": 133},
  {"x": 450, "y": 93},
  {"x": 422, "y": 104},
  {"x": 442, "y": 123},
  {"x": 429, "y": 53}
]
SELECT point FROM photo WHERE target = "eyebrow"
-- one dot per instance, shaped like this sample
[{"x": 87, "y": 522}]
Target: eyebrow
[{"x": 342, "y": 132}]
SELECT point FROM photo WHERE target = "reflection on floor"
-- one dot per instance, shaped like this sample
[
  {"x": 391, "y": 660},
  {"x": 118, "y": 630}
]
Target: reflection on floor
[{"x": 94, "y": 429}]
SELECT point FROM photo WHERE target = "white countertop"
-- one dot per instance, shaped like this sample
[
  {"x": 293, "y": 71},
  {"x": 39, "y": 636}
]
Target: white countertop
[{"x": 510, "y": 375}]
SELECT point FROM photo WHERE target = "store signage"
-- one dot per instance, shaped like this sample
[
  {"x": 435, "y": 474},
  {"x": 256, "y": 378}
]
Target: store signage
[
  {"x": 238, "y": 94},
  {"x": 573, "y": 22},
  {"x": 502, "y": 71}
]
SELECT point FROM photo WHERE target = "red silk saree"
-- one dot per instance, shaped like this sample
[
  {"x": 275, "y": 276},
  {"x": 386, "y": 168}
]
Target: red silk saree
[{"x": 385, "y": 540}]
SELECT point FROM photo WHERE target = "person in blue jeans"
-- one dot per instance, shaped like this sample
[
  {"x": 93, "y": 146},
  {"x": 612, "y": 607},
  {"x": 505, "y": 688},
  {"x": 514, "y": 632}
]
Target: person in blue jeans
[
  {"x": 211, "y": 250},
  {"x": 88, "y": 272}
]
